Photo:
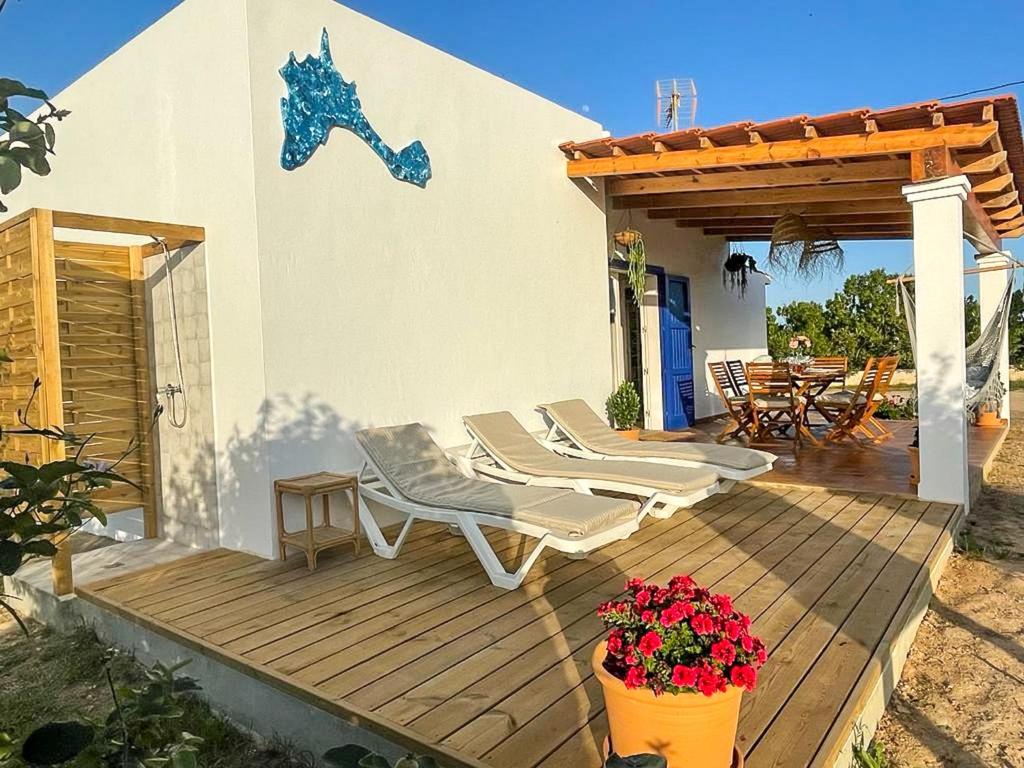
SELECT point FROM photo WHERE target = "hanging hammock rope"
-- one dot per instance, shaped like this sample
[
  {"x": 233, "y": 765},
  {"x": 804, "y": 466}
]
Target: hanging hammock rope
[{"x": 983, "y": 384}]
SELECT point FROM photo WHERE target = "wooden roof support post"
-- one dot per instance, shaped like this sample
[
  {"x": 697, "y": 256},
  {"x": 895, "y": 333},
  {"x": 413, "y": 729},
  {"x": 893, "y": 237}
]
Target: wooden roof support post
[
  {"x": 144, "y": 389},
  {"x": 47, "y": 344}
]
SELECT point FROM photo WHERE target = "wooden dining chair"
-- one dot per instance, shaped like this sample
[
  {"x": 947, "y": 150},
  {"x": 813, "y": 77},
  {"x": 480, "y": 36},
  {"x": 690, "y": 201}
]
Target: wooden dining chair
[
  {"x": 838, "y": 365},
  {"x": 852, "y": 412},
  {"x": 736, "y": 403},
  {"x": 774, "y": 407},
  {"x": 738, "y": 374}
]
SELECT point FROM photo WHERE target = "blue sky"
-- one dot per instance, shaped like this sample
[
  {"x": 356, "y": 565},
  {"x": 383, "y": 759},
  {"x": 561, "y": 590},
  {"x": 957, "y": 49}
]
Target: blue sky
[{"x": 756, "y": 62}]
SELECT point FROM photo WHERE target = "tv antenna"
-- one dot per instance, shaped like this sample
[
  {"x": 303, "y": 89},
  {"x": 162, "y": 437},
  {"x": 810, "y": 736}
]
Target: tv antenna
[{"x": 676, "y": 103}]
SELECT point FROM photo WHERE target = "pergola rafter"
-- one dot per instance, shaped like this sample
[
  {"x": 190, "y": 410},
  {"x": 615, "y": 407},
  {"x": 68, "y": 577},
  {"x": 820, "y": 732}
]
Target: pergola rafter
[{"x": 844, "y": 171}]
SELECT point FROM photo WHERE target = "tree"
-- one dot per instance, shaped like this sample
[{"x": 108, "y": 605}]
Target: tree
[
  {"x": 25, "y": 142},
  {"x": 972, "y": 318},
  {"x": 862, "y": 320},
  {"x": 805, "y": 318},
  {"x": 1017, "y": 329}
]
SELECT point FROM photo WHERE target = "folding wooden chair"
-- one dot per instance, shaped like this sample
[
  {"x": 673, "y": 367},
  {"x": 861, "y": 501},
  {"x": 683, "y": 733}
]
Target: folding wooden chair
[
  {"x": 736, "y": 403},
  {"x": 738, "y": 374},
  {"x": 774, "y": 406},
  {"x": 832, "y": 364},
  {"x": 852, "y": 413}
]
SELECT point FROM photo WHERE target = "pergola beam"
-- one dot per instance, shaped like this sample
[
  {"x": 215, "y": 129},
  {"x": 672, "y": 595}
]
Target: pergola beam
[
  {"x": 816, "y": 221},
  {"x": 864, "y": 190},
  {"x": 821, "y": 148},
  {"x": 839, "y": 208},
  {"x": 870, "y": 170}
]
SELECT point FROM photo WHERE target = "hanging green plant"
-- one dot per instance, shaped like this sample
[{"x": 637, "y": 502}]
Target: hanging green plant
[
  {"x": 736, "y": 271},
  {"x": 636, "y": 256}
]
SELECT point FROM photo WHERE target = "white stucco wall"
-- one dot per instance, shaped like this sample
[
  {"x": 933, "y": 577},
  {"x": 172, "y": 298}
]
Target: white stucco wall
[
  {"x": 161, "y": 130},
  {"x": 725, "y": 326},
  {"x": 385, "y": 303}
]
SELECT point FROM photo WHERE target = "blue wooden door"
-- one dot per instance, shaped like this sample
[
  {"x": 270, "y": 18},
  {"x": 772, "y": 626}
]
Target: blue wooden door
[{"x": 676, "y": 352}]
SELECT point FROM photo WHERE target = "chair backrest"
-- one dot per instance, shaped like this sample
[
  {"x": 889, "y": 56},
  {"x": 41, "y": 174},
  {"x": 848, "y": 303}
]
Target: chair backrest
[
  {"x": 723, "y": 382},
  {"x": 738, "y": 375},
  {"x": 837, "y": 364},
  {"x": 867, "y": 378},
  {"x": 770, "y": 380},
  {"x": 884, "y": 372}
]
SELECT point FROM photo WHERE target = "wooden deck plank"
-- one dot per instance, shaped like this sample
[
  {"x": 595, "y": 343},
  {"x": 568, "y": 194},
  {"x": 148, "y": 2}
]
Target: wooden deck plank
[
  {"x": 375, "y": 692},
  {"x": 425, "y": 651},
  {"x": 324, "y": 661},
  {"x": 788, "y": 741},
  {"x": 742, "y": 540},
  {"x": 522, "y": 708}
]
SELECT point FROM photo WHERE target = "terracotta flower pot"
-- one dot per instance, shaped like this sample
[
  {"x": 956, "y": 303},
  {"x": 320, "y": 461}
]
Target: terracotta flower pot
[
  {"x": 627, "y": 237},
  {"x": 687, "y": 729},
  {"x": 988, "y": 417},
  {"x": 629, "y": 434}
]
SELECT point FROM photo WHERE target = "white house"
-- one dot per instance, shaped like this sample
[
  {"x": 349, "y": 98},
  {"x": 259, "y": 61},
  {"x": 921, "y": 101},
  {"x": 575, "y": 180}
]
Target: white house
[{"x": 333, "y": 296}]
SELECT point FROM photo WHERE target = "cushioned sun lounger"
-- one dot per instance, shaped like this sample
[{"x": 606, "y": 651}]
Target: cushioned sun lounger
[
  {"x": 512, "y": 454},
  {"x": 405, "y": 470},
  {"x": 584, "y": 434}
]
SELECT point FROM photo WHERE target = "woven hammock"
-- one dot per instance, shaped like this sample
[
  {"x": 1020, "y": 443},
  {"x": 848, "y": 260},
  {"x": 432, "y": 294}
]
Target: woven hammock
[
  {"x": 801, "y": 249},
  {"x": 983, "y": 384}
]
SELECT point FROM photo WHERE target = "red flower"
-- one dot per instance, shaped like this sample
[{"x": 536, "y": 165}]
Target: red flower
[
  {"x": 701, "y": 624},
  {"x": 724, "y": 651},
  {"x": 684, "y": 677},
  {"x": 649, "y": 643},
  {"x": 762, "y": 656},
  {"x": 634, "y": 583},
  {"x": 710, "y": 681},
  {"x": 647, "y": 616},
  {"x": 681, "y": 583},
  {"x": 747, "y": 643},
  {"x": 743, "y": 676},
  {"x": 643, "y": 597},
  {"x": 723, "y": 603},
  {"x": 636, "y": 677},
  {"x": 614, "y": 643},
  {"x": 676, "y": 613},
  {"x": 631, "y": 657},
  {"x": 733, "y": 629}
]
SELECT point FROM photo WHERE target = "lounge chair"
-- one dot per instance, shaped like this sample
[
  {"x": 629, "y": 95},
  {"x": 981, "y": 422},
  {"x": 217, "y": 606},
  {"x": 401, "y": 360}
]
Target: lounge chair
[
  {"x": 503, "y": 449},
  {"x": 405, "y": 470},
  {"x": 577, "y": 431}
]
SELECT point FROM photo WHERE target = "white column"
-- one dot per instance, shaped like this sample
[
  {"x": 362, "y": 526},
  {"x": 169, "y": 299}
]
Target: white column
[
  {"x": 941, "y": 376},
  {"x": 991, "y": 286}
]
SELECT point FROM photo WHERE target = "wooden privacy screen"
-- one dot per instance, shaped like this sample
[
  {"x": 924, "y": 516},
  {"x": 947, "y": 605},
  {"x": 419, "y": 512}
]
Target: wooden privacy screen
[
  {"x": 104, "y": 364},
  {"x": 73, "y": 315}
]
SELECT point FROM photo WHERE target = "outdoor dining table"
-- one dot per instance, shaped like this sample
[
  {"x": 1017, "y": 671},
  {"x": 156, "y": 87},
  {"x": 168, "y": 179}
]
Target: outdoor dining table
[{"x": 811, "y": 383}]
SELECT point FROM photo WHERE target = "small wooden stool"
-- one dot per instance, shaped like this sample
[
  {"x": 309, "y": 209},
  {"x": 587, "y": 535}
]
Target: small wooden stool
[{"x": 316, "y": 538}]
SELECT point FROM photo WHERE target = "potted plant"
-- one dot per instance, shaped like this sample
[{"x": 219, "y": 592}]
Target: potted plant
[
  {"x": 636, "y": 257},
  {"x": 987, "y": 413},
  {"x": 736, "y": 271},
  {"x": 624, "y": 410},
  {"x": 673, "y": 669}
]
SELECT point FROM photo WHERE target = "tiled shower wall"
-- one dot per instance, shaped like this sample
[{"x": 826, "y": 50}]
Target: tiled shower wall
[{"x": 186, "y": 471}]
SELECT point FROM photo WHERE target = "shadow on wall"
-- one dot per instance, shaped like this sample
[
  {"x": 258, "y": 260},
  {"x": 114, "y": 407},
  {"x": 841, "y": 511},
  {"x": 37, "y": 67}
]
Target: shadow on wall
[{"x": 293, "y": 436}]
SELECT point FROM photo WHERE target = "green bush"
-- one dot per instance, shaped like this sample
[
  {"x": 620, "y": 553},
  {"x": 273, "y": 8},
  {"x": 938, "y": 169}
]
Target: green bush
[{"x": 624, "y": 406}]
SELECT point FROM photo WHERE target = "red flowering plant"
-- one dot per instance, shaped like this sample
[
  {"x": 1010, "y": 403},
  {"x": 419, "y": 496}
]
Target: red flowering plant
[{"x": 679, "y": 639}]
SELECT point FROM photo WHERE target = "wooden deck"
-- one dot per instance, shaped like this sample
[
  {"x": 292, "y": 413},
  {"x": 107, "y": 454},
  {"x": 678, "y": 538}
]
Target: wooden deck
[
  {"x": 425, "y": 651},
  {"x": 883, "y": 468}
]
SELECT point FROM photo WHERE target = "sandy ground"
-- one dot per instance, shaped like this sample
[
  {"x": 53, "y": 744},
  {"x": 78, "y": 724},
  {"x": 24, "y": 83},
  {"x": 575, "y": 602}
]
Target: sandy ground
[{"x": 961, "y": 699}]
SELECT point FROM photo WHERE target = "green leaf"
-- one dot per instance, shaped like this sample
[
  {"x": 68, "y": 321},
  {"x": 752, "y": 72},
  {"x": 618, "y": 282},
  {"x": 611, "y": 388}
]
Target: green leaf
[
  {"x": 9, "y": 87},
  {"x": 40, "y": 547},
  {"x": 11, "y": 555},
  {"x": 55, "y": 470},
  {"x": 374, "y": 761},
  {"x": 24, "y": 474},
  {"x": 56, "y": 743},
  {"x": 51, "y": 136},
  {"x": 4, "y": 357},
  {"x": 33, "y": 158},
  {"x": 184, "y": 759},
  {"x": 347, "y": 756},
  {"x": 10, "y": 178}
]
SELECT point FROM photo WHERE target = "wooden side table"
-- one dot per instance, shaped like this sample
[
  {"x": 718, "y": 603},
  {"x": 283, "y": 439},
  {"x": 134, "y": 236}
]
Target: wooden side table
[{"x": 314, "y": 539}]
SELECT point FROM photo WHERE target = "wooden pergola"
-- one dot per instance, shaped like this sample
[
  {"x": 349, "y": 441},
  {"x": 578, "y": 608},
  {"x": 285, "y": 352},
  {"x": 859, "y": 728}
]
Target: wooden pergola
[
  {"x": 842, "y": 171},
  {"x": 935, "y": 173}
]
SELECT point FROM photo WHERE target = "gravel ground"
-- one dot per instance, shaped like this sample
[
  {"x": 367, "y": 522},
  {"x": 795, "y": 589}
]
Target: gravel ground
[{"x": 961, "y": 699}]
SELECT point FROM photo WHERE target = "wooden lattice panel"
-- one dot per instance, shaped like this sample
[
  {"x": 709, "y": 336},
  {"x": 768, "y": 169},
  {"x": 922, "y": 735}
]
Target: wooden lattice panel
[
  {"x": 18, "y": 335},
  {"x": 100, "y": 324}
]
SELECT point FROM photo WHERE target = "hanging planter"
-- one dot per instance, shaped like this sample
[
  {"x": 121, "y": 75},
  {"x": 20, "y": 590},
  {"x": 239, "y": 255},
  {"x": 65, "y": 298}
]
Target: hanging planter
[
  {"x": 803, "y": 250},
  {"x": 636, "y": 256},
  {"x": 736, "y": 271}
]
